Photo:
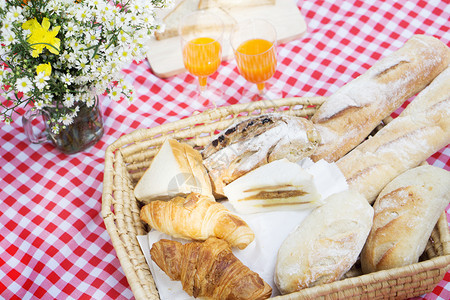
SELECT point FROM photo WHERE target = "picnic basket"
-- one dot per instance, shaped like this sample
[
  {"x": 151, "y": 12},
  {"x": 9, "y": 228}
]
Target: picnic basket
[{"x": 129, "y": 156}]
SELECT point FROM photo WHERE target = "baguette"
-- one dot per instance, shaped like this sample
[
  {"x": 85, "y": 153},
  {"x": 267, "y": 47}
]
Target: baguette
[
  {"x": 350, "y": 114},
  {"x": 422, "y": 129},
  {"x": 406, "y": 212},
  {"x": 326, "y": 244}
]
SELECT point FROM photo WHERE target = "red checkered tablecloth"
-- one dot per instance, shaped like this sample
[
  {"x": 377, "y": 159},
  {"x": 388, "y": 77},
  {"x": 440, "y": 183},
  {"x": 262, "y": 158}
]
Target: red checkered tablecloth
[{"x": 53, "y": 242}]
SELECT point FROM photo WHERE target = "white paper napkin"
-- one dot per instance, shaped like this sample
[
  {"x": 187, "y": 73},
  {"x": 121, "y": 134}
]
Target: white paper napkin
[{"x": 270, "y": 228}]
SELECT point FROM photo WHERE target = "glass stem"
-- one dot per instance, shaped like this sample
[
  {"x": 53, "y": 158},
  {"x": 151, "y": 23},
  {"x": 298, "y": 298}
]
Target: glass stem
[
  {"x": 202, "y": 83},
  {"x": 261, "y": 86}
]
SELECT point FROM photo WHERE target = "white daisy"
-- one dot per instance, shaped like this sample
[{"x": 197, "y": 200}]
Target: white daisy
[
  {"x": 83, "y": 15},
  {"x": 123, "y": 37},
  {"x": 41, "y": 80},
  {"x": 115, "y": 93},
  {"x": 47, "y": 98},
  {"x": 9, "y": 37},
  {"x": 66, "y": 119},
  {"x": 24, "y": 85},
  {"x": 92, "y": 38},
  {"x": 55, "y": 129},
  {"x": 15, "y": 14},
  {"x": 67, "y": 79},
  {"x": 124, "y": 55},
  {"x": 81, "y": 63},
  {"x": 90, "y": 101},
  {"x": 39, "y": 104},
  {"x": 69, "y": 100},
  {"x": 71, "y": 29}
]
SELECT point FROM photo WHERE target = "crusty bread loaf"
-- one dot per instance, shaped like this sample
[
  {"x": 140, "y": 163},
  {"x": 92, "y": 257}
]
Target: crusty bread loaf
[
  {"x": 326, "y": 244},
  {"x": 421, "y": 129},
  {"x": 227, "y": 4},
  {"x": 405, "y": 213},
  {"x": 350, "y": 114},
  {"x": 438, "y": 91},
  {"x": 254, "y": 142}
]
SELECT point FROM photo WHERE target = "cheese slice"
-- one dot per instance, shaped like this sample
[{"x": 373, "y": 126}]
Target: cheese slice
[
  {"x": 279, "y": 185},
  {"x": 176, "y": 170}
]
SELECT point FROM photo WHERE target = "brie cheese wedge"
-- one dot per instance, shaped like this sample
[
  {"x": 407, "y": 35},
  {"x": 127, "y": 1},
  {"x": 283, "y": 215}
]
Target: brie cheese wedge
[
  {"x": 176, "y": 170},
  {"x": 279, "y": 185}
]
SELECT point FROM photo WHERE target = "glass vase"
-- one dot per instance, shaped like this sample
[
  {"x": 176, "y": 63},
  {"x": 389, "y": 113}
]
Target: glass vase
[{"x": 85, "y": 130}]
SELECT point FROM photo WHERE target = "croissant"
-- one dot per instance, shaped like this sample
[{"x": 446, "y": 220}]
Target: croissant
[
  {"x": 209, "y": 269},
  {"x": 197, "y": 217}
]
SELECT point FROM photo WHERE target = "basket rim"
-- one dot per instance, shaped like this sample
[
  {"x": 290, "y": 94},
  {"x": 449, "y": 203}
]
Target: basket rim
[
  {"x": 360, "y": 281},
  {"x": 214, "y": 114}
]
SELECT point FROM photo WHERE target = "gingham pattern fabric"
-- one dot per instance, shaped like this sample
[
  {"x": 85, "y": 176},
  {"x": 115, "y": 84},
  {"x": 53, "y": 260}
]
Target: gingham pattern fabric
[{"x": 53, "y": 243}]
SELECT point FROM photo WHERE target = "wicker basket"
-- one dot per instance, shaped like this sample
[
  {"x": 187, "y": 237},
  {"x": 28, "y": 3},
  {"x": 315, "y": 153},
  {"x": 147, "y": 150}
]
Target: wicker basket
[{"x": 128, "y": 157}]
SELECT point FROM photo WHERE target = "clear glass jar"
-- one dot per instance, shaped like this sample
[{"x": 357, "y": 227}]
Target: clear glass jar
[{"x": 85, "y": 130}]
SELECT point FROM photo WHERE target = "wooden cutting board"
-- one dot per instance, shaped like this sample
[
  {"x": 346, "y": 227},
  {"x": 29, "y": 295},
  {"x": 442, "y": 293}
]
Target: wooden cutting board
[{"x": 165, "y": 57}]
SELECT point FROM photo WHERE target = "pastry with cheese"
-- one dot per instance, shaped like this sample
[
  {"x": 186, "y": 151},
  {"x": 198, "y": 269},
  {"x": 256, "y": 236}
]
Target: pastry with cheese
[
  {"x": 279, "y": 185},
  {"x": 176, "y": 170}
]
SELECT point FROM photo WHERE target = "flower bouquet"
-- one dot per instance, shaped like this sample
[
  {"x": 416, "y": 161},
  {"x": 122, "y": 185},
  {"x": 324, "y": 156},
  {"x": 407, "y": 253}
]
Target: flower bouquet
[{"x": 58, "y": 56}]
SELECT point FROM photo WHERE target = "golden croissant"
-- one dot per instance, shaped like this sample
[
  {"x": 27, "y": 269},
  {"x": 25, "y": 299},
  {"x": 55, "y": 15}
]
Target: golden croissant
[
  {"x": 209, "y": 269},
  {"x": 197, "y": 217}
]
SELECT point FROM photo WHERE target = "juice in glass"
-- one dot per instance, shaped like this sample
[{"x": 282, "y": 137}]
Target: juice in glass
[
  {"x": 256, "y": 60},
  {"x": 202, "y": 57}
]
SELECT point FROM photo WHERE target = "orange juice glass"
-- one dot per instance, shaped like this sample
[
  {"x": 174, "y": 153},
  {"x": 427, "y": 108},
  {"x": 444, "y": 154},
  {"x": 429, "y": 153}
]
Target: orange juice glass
[
  {"x": 256, "y": 60},
  {"x": 254, "y": 46},
  {"x": 202, "y": 57},
  {"x": 201, "y": 34}
]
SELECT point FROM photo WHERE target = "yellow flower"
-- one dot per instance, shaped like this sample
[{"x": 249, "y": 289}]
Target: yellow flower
[
  {"x": 46, "y": 68},
  {"x": 41, "y": 37}
]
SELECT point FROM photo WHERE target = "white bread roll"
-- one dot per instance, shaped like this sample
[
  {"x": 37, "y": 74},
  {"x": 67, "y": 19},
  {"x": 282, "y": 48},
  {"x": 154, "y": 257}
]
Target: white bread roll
[
  {"x": 406, "y": 212},
  {"x": 350, "y": 114},
  {"x": 422, "y": 129},
  {"x": 326, "y": 244}
]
